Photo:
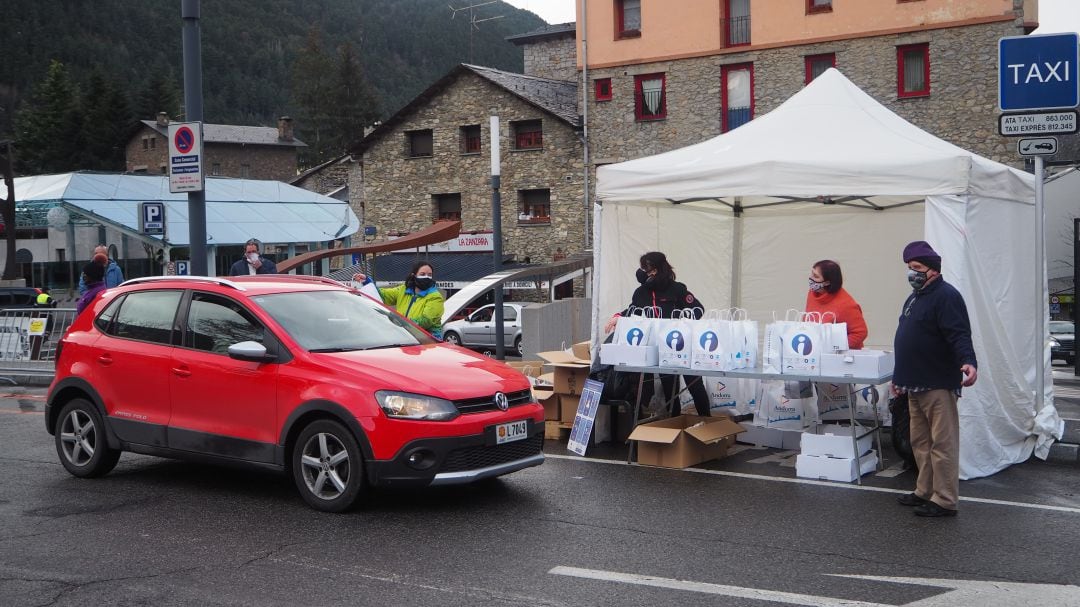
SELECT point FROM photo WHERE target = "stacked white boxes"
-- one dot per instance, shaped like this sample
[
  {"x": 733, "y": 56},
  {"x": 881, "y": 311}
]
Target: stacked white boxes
[{"x": 830, "y": 455}]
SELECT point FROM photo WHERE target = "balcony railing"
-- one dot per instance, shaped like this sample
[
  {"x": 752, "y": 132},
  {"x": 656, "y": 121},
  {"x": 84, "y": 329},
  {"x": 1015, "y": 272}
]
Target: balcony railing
[{"x": 736, "y": 31}]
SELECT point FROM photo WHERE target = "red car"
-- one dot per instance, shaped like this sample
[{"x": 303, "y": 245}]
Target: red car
[{"x": 292, "y": 373}]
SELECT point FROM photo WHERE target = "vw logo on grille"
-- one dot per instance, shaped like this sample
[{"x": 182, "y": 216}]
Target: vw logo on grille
[{"x": 501, "y": 402}]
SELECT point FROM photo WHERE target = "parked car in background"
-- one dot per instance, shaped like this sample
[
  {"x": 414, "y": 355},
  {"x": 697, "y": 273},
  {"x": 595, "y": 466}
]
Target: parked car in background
[
  {"x": 477, "y": 330},
  {"x": 290, "y": 373},
  {"x": 1063, "y": 341},
  {"x": 18, "y": 297}
]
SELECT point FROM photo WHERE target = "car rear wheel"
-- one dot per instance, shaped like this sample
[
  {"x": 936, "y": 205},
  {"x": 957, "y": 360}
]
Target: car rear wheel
[
  {"x": 452, "y": 338},
  {"x": 517, "y": 347},
  {"x": 327, "y": 466},
  {"x": 80, "y": 440}
]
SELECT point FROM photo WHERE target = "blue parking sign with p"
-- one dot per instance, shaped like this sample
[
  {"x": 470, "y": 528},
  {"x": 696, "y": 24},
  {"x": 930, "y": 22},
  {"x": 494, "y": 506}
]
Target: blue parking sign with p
[
  {"x": 152, "y": 218},
  {"x": 1038, "y": 72}
]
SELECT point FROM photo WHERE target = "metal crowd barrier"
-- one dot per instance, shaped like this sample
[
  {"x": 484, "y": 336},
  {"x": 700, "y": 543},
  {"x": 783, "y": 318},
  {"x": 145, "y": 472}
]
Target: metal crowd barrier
[{"x": 28, "y": 339}]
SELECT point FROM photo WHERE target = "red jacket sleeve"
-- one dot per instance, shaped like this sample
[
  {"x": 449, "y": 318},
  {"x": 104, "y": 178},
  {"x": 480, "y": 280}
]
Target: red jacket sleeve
[{"x": 856, "y": 326}]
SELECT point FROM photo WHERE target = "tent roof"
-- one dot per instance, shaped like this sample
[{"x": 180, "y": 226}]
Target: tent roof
[
  {"x": 236, "y": 209},
  {"x": 827, "y": 142}
]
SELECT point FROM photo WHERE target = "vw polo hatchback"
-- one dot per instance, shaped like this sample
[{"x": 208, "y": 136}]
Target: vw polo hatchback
[{"x": 298, "y": 374}]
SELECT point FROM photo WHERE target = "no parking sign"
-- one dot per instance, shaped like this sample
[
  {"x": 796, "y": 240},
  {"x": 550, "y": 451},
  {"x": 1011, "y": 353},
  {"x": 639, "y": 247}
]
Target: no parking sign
[{"x": 185, "y": 157}]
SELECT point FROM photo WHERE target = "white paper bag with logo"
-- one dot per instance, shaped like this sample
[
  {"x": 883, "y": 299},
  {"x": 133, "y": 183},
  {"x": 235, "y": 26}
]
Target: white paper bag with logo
[
  {"x": 638, "y": 328},
  {"x": 736, "y": 350},
  {"x": 834, "y": 334},
  {"x": 711, "y": 342},
  {"x": 778, "y": 410},
  {"x": 723, "y": 399},
  {"x": 832, "y": 401},
  {"x": 772, "y": 351},
  {"x": 673, "y": 337},
  {"x": 750, "y": 343},
  {"x": 801, "y": 346}
]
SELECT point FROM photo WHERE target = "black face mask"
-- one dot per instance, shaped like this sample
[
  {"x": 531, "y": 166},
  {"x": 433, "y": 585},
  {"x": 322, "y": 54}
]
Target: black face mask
[
  {"x": 423, "y": 284},
  {"x": 642, "y": 276}
]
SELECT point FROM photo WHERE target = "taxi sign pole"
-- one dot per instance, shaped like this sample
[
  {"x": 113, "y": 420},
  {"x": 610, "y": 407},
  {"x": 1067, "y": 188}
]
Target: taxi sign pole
[
  {"x": 193, "y": 105},
  {"x": 1043, "y": 311}
]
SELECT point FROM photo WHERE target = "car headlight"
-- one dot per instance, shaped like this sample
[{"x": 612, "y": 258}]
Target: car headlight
[
  {"x": 1054, "y": 342},
  {"x": 402, "y": 405}
]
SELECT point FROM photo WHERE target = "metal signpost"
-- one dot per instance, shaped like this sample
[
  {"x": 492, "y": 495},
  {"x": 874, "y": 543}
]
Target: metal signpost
[
  {"x": 1037, "y": 74},
  {"x": 190, "y": 13},
  {"x": 496, "y": 235}
]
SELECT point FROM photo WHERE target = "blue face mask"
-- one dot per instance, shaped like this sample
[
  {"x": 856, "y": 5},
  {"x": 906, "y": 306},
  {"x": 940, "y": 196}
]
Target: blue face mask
[{"x": 916, "y": 279}]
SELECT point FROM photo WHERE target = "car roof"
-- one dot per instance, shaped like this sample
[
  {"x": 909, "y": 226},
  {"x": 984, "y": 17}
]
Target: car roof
[{"x": 249, "y": 286}]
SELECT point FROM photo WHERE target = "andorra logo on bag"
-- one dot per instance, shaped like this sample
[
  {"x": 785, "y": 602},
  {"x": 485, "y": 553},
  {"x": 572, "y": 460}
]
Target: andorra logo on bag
[
  {"x": 635, "y": 336},
  {"x": 675, "y": 341},
  {"x": 709, "y": 341},
  {"x": 801, "y": 343}
]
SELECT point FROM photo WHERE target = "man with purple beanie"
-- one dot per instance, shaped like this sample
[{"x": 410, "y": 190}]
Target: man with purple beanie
[{"x": 934, "y": 359}]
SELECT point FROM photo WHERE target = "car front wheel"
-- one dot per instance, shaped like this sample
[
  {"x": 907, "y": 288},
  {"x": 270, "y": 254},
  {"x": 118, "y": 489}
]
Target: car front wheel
[
  {"x": 517, "y": 347},
  {"x": 80, "y": 440},
  {"x": 327, "y": 466},
  {"x": 452, "y": 338}
]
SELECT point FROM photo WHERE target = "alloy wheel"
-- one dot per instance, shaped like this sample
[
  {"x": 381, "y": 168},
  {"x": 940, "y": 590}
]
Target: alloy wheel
[
  {"x": 325, "y": 466},
  {"x": 79, "y": 437}
]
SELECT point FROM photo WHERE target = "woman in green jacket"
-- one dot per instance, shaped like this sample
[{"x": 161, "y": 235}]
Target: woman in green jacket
[{"x": 418, "y": 299}]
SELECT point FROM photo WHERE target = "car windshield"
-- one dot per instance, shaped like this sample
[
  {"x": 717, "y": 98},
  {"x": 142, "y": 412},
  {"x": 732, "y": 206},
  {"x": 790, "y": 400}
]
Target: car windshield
[
  {"x": 339, "y": 321},
  {"x": 1060, "y": 326}
]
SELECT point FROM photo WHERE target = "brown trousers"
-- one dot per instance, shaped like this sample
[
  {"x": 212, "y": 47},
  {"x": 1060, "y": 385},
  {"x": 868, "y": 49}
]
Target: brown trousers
[{"x": 935, "y": 440}]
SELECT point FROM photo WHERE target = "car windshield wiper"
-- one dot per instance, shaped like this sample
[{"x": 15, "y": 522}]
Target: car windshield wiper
[
  {"x": 327, "y": 350},
  {"x": 385, "y": 346}
]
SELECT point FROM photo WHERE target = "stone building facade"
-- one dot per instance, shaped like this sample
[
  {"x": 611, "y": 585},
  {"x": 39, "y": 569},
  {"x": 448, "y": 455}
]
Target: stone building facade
[
  {"x": 431, "y": 160},
  {"x": 549, "y": 52},
  {"x": 245, "y": 152},
  {"x": 961, "y": 106}
]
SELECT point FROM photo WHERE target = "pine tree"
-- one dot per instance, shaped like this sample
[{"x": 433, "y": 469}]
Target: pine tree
[
  {"x": 161, "y": 94},
  {"x": 107, "y": 124},
  {"x": 313, "y": 75},
  {"x": 47, "y": 127},
  {"x": 355, "y": 104}
]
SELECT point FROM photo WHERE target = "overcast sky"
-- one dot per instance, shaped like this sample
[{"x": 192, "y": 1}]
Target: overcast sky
[{"x": 1054, "y": 15}]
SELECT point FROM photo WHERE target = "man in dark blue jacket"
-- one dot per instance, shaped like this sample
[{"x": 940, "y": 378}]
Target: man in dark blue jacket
[{"x": 934, "y": 359}]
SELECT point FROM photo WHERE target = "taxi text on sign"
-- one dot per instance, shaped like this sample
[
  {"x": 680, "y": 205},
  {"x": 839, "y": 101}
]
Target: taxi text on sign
[
  {"x": 1038, "y": 72},
  {"x": 185, "y": 157}
]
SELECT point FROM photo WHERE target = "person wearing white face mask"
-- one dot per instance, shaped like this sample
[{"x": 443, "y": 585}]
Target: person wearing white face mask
[
  {"x": 827, "y": 295},
  {"x": 935, "y": 358},
  {"x": 253, "y": 262},
  {"x": 419, "y": 299}
]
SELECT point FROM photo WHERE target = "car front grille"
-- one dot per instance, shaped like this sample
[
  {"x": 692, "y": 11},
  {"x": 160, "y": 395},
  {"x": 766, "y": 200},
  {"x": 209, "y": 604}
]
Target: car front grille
[
  {"x": 1067, "y": 345},
  {"x": 474, "y": 458},
  {"x": 487, "y": 403}
]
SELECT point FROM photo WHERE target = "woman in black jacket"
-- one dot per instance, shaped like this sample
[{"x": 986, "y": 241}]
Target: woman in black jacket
[{"x": 659, "y": 290}]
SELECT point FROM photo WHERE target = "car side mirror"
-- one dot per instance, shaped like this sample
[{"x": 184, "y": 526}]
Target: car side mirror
[{"x": 251, "y": 351}]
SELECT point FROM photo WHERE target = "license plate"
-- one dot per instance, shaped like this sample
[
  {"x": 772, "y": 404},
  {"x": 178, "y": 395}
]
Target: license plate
[{"x": 508, "y": 433}]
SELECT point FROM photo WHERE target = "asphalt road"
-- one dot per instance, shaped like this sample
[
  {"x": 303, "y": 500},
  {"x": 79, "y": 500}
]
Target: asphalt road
[{"x": 743, "y": 532}]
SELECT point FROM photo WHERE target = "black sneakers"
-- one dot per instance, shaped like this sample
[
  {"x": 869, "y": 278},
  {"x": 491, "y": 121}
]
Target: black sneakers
[
  {"x": 931, "y": 509},
  {"x": 910, "y": 499}
]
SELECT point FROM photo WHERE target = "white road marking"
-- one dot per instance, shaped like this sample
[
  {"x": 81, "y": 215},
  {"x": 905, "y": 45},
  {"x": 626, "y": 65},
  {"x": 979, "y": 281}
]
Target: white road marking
[
  {"x": 961, "y": 593},
  {"x": 834, "y": 485}
]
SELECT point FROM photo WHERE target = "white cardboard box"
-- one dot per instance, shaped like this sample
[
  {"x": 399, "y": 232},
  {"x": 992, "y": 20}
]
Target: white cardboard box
[
  {"x": 626, "y": 354},
  {"x": 832, "y": 440},
  {"x": 834, "y": 468},
  {"x": 857, "y": 363},
  {"x": 769, "y": 437}
]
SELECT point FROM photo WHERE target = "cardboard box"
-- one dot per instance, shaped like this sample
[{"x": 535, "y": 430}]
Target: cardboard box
[
  {"x": 832, "y": 440},
  {"x": 841, "y": 469},
  {"x": 857, "y": 363},
  {"x": 550, "y": 400},
  {"x": 582, "y": 350},
  {"x": 685, "y": 440},
  {"x": 569, "y": 371},
  {"x": 769, "y": 437},
  {"x": 528, "y": 368},
  {"x": 568, "y": 405},
  {"x": 625, "y": 354}
]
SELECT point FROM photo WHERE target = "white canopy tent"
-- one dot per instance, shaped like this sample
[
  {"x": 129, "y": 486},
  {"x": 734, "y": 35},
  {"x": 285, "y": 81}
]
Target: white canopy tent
[{"x": 832, "y": 174}]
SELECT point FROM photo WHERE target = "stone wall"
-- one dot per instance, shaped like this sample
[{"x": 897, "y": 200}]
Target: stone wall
[
  {"x": 552, "y": 58},
  {"x": 961, "y": 107},
  {"x": 264, "y": 162},
  {"x": 397, "y": 190}
]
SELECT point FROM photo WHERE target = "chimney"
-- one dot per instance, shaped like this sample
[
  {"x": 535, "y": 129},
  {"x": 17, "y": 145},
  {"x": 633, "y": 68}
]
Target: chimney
[
  {"x": 162, "y": 119},
  {"x": 284, "y": 129}
]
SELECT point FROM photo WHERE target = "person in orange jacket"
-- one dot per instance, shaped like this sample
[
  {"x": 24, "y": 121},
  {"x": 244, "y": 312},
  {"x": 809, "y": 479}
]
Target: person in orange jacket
[{"x": 827, "y": 294}]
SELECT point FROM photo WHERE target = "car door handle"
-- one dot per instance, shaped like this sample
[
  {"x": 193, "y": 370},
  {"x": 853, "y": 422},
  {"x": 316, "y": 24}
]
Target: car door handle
[
  {"x": 181, "y": 371},
  {"x": 105, "y": 359}
]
